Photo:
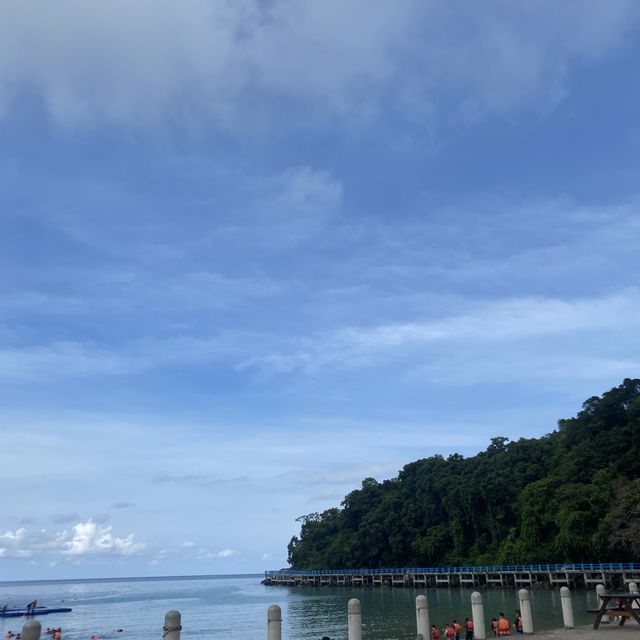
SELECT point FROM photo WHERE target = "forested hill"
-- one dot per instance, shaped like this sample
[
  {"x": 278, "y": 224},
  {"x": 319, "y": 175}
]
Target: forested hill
[{"x": 573, "y": 495}]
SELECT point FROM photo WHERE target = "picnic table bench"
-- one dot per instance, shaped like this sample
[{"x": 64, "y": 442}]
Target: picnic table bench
[{"x": 618, "y": 605}]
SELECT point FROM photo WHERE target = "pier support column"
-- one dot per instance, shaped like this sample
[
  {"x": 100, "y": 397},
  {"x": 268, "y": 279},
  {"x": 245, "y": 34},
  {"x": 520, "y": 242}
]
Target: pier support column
[
  {"x": 567, "y": 609},
  {"x": 274, "y": 622},
  {"x": 31, "y": 630},
  {"x": 525, "y": 611},
  {"x": 422, "y": 618},
  {"x": 477, "y": 612},
  {"x": 172, "y": 625},
  {"x": 354, "y": 619},
  {"x": 600, "y": 589}
]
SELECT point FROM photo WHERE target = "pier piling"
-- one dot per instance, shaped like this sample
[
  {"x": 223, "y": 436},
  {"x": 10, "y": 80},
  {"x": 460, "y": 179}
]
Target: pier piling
[
  {"x": 422, "y": 618},
  {"x": 354, "y": 619},
  {"x": 31, "y": 630},
  {"x": 274, "y": 622}
]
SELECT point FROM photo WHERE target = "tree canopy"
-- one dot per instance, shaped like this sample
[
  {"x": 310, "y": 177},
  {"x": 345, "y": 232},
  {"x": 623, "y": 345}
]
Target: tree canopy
[{"x": 570, "y": 496}]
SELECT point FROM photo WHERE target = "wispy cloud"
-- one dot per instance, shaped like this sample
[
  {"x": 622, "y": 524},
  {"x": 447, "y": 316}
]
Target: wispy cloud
[
  {"x": 227, "y": 552},
  {"x": 64, "y": 518},
  {"x": 491, "y": 322},
  {"x": 123, "y": 505},
  {"x": 198, "y": 480}
]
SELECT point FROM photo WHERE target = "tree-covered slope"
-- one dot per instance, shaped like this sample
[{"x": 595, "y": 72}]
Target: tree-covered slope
[{"x": 573, "y": 495}]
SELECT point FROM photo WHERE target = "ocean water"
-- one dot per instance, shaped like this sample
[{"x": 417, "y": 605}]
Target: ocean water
[{"x": 235, "y": 608}]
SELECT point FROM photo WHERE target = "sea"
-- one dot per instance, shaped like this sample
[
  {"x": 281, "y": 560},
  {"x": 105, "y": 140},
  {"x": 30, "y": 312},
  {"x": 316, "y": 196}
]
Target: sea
[{"x": 235, "y": 608}]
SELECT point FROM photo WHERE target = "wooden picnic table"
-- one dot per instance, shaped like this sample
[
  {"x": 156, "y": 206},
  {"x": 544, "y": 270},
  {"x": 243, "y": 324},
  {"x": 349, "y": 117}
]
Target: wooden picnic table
[{"x": 619, "y": 605}]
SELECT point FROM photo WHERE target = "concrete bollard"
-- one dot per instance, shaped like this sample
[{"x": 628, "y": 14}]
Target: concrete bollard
[
  {"x": 31, "y": 630},
  {"x": 422, "y": 618},
  {"x": 172, "y": 625},
  {"x": 274, "y": 622},
  {"x": 567, "y": 609},
  {"x": 633, "y": 588},
  {"x": 477, "y": 613},
  {"x": 525, "y": 611},
  {"x": 354, "y": 619},
  {"x": 600, "y": 590}
]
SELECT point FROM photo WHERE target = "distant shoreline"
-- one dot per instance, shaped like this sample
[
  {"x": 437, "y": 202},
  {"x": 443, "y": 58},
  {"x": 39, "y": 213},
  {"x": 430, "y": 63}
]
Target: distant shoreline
[{"x": 132, "y": 579}]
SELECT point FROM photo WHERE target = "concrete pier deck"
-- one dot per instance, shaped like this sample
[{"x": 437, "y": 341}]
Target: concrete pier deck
[{"x": 605, "y": 632}]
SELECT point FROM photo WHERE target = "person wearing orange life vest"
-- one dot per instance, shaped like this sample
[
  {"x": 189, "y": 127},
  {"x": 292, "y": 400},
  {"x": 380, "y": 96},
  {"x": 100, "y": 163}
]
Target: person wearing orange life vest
[
  {"x": 468, "y": 625},
  {"x": 457, "y": 627},
  {"x": 504, "y": 628},
  {"x": 435, "y": 632},
  {"x": 518, "y": 623}
]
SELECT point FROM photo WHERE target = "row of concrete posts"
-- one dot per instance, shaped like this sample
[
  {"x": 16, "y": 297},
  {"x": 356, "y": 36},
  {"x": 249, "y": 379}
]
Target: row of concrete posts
[
  {"x": 172, "y": 620},
  {"x": 423, "y": 623}
]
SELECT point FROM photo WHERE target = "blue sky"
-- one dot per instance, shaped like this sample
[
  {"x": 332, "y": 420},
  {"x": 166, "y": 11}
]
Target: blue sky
[{"x": 255, "y": 251}]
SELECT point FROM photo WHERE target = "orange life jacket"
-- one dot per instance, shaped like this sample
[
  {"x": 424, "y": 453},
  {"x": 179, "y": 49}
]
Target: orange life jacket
[
  {"x": 503, "y": 627},
  {"x": 457, "y": 627}
]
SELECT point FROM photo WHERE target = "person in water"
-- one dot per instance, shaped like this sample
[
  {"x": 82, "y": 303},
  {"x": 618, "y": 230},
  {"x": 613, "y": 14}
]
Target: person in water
[
  {"x": 468, "y": 625},
  {"x": 504, "y": 628},
  {"x": 450, "y": 632},
  {"x": 518, "y": 622},
  {"x": 435, "y": 632}
]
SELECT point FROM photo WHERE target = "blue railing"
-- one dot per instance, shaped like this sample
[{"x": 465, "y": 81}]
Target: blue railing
[{"x": 511, "y": 568}]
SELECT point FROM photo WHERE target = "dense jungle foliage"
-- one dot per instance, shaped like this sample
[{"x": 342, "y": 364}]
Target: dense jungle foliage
[{"x": 570, "y": 496}]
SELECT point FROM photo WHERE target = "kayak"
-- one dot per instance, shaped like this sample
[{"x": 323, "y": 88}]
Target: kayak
[{"x": 38, "y": 611}]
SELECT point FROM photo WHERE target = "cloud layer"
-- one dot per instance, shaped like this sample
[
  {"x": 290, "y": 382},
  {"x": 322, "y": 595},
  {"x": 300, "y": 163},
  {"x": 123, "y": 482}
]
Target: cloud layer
[{"x": 112, "y": 63}]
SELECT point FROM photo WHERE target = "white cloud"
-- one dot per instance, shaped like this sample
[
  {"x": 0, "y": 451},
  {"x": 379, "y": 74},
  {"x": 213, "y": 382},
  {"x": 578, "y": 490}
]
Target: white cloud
[
  {"x": 108, "y": 61},
  {"x": 91, "y": 538},
  {"x": 187, "y": 544},
  {"x": 206, "y": 554},
  {"x": 84, "y": 539}
]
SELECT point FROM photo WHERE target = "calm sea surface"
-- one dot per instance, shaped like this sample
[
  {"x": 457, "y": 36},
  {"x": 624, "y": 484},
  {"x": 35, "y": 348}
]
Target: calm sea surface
[{"x": 235, "y": 607}]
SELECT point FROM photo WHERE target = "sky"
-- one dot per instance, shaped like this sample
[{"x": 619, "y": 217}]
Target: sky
[{"x": 254, "y": 251}]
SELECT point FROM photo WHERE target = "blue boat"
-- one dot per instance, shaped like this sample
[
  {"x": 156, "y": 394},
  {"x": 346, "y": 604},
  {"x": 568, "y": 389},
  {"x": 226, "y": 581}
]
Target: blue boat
[{"x": 38, "y": 611}]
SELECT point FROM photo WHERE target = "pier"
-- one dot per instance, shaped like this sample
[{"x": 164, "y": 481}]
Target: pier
[{"x": 574, "y": 575}]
